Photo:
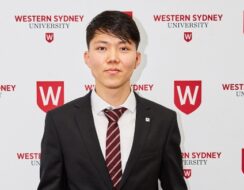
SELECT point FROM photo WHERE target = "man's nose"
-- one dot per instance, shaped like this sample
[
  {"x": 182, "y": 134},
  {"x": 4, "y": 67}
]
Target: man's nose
[{"x": 113, "y": 56}]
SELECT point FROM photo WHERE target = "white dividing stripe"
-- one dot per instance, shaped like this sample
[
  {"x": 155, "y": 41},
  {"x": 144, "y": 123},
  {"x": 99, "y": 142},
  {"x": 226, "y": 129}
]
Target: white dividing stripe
[
  {"x": 112, "y": 141},
  {"x": 113, "y": 158},
  {"x": 115, "y": 184},
  {"x": 116, "y": 115},
  {"x": 110, "y": 171},
  {"x": 116, "y": 174},
  {"x": 112, "y": 150},
  {"x": 110, "y": 117},
  {"x": 111, "y": 124}
]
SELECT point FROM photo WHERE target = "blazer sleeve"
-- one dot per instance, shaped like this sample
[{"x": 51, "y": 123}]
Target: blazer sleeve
[
  {"x": 171, "y": 172},
  {"x": 52, "y": 175}
]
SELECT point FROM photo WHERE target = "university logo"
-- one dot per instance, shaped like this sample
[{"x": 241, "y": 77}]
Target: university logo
[
  {"x": 187, "y": 36},
  {"x": 243, "y": 160},
  {"x": 50, "y": 94},
  {"x": 49, "y": 37},
  {"x": 187, "y": 95},
  {"x": 187, "y": 173}
]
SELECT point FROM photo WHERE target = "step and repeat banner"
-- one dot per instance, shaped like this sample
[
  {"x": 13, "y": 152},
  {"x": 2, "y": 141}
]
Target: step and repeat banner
[{"x": 192, "y": 62}]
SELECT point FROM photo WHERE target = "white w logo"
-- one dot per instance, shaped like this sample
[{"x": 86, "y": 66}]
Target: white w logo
[
  {"x": 49, "y": 37},
  {"x": 188, "y": 36},
  {"x": 187, "y": 173},
  {"x": 187, "y": 94},
  {"x": 50, "y": 94}
]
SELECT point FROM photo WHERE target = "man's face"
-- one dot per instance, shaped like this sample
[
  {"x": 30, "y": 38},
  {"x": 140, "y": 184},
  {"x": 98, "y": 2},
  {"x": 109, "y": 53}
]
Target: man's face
[{"x": 111, "y": 60}]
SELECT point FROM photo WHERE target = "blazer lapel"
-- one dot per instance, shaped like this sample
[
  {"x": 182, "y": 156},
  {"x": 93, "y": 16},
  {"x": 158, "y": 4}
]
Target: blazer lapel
[
  {"x": 142, "y": 127},
  {"x": 87, "y": 129}
]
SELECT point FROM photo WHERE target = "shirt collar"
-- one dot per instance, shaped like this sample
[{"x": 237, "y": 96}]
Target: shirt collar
[{"x": 98, "y": 104}]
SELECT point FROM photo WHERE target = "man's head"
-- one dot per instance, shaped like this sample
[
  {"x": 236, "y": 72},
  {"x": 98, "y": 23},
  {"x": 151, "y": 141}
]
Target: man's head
[
  {"x": 112, "y": 56},
  {"x": 115, "y": 23}
]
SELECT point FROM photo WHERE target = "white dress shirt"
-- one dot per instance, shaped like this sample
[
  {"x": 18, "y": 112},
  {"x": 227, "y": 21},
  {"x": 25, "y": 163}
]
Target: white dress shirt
[{"x": 126, "y": 124}]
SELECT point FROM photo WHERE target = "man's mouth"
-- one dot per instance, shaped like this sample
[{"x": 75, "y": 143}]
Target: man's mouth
[{"x": 112, "y": 71}]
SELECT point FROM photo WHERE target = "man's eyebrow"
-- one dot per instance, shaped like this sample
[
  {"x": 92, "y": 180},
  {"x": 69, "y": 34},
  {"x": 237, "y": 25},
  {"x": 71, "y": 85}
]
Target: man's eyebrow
[
  {"x": 101, "y": 41},
  {"x": 124, "y": 42},
  {"x": 105, "y": 42}
]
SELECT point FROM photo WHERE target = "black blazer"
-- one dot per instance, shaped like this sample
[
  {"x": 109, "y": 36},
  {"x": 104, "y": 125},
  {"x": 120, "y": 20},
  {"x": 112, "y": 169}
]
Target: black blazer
[{"x": 71, "y": 157}]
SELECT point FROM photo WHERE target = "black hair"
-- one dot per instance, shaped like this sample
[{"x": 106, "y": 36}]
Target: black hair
[{"x": 116, "y": 23}]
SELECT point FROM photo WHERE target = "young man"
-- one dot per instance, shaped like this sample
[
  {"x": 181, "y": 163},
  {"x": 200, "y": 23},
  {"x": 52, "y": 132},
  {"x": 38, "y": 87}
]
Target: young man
[{"x": 111, "y": 138}]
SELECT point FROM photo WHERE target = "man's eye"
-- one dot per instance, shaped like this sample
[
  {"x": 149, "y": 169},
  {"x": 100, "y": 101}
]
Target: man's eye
[
  {"x": 101, "y": 48},
  {"x": 124, "y": 48}
]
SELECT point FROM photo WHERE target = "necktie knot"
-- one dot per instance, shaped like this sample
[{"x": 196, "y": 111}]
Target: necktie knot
[{"x": 115, "y": 114}]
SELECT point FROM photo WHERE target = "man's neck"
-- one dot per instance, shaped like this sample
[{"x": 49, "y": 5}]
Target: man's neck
[{"x": 114, "y": 97}]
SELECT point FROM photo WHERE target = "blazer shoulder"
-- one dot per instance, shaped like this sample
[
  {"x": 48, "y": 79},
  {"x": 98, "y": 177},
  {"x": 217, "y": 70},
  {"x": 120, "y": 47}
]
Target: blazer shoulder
[
  {"x": 71, "y": 105},
  {"x": 156, "y": 107}
]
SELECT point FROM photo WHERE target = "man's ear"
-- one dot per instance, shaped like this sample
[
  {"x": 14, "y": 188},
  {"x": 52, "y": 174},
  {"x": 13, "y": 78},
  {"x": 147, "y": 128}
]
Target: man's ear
[
  {"x": 138, "y": 59},
  {"x": 87, "y": 58}
]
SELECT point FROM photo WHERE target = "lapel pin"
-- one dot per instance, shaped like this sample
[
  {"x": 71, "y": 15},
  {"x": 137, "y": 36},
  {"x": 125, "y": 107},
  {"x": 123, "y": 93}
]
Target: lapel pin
[{"x": 147, "y": 119}]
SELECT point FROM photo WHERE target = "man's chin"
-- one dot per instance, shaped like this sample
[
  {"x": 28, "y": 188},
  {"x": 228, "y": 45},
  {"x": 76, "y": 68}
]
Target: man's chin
[{"x": 114, "y": 86}]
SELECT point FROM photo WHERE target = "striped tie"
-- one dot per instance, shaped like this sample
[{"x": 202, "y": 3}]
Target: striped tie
[{"x": 113, "y": 155}]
